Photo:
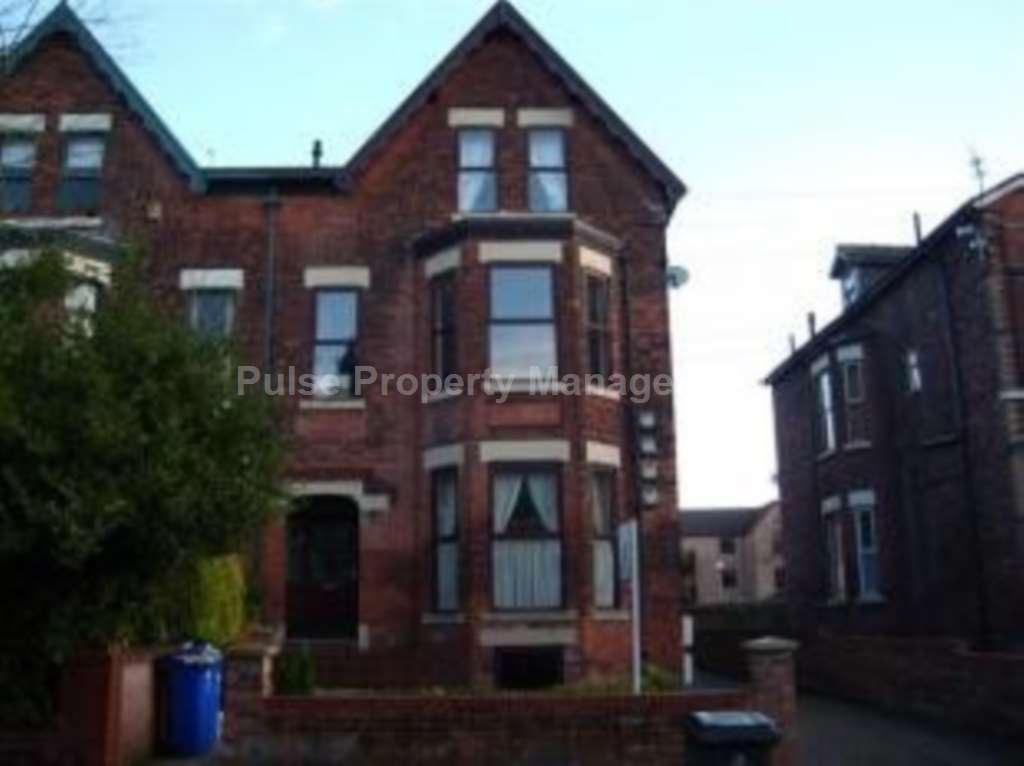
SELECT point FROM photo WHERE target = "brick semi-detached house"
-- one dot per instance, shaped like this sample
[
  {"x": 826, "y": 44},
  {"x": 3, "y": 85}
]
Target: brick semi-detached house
[
  {"x": 503, "y": 217},
  {"x": 900, "y": 436}
]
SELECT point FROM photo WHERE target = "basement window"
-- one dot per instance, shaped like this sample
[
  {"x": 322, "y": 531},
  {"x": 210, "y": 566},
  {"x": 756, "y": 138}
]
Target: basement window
[{"x": 533, "y": 668}]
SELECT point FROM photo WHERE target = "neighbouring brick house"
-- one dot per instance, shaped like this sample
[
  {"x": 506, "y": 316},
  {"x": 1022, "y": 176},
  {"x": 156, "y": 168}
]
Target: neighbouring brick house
[
  {"x": 731, "y": 555},
  {"x": 899, "y": 435},
  {"x": 504, "y": 216}
]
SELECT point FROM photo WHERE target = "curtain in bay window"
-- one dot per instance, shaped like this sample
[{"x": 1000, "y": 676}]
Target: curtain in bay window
[
  {"x": 447, "y": 545},
  {"x": 527, "y": 571},
  {"x": 603, "y": 547}
]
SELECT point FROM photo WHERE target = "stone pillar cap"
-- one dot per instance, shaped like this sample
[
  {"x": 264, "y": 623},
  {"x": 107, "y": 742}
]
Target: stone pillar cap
[{"x": 771, "y": 645}]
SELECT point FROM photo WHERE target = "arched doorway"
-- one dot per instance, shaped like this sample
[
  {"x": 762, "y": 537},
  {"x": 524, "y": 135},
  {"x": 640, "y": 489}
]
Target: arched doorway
[{"x": 323, "y": 568}]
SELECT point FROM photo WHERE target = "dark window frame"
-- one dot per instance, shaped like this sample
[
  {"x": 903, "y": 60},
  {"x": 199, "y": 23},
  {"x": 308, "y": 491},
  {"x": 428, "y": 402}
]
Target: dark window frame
[
  {"x": 444, "y": 334},
  {"x": 353, "y": 342},
  {"x": 562, "y": 169},
  {"x": 611, "y": 536},
  {"x": 598, "y": 329},
  {"x": 855, "y": 409},
  {"x": 727, "y": 546},
  {"x": 73, "y": 180},
  {"x": 437, "y": 539},
  {"x": 19, "y": 179},
  {"x": 553, "y": 320},
  {"x": 528, "y": 467},
  {"x": 490, "y": 170}
]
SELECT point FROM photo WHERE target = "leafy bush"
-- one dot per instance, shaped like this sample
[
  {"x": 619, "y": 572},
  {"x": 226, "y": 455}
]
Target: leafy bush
[
  {"x": 203, "y": 600},
  {"x": 295, "y": 673}
]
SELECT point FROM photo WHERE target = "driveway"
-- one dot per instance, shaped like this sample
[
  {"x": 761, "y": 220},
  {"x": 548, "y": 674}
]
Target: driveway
[{"x": 837, "y": 733}]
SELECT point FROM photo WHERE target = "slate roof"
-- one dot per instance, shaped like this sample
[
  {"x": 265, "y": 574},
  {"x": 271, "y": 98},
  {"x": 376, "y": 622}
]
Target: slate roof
[
  {"x": 719, "y": 522},
  {"x": 501, "y": 16}
]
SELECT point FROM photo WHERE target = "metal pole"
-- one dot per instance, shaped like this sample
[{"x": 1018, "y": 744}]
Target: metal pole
[{"x": 635, "y": 577}]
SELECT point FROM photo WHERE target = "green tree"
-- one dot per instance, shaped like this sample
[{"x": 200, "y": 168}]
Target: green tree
[{"x": 126, "y": 454}]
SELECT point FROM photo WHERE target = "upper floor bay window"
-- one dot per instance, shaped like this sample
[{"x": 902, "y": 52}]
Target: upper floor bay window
[
  {"x": 444, "y": 356},
  {"x": 825, "y": 416},
  {"x": 549, "y": 181},
  {"x": 851, "y": 363},
  {"x": 17, "y": 160},
  {"x": 211, "y": 312},
  {"x": 527, "y": 539},
  {"x": 81, "y": 172},
  {"x": 446, "y": 540},
  {"x": 478, "y": 177},
  {"x": 522, "y": 322},
  {"x": 602, "y": 499},
  {"x": 334, "y": 347},
  {"x": 599, "y": 357}
]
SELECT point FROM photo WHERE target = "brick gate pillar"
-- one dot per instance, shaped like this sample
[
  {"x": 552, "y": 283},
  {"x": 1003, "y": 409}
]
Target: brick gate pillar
[{"x": 772, "y": 668}]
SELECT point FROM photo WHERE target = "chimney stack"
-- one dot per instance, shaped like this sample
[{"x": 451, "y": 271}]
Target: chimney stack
[
  {"x": 812, "y": 324},
  {"x": 318, "y": 152}
]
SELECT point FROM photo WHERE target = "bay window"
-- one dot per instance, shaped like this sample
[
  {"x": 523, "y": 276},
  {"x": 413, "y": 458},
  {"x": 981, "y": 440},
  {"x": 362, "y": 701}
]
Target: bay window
[
  {"x": 599, "y": 361},
  {"x": 549, "y": 183},
  {"x": 17, "y": 159},
  {"x": 446, "y": 540},
  {"x": 527, "y": 539},
  {"x": 602, "y": 500},
  {"x": 522, "y": 322},
  {"x": 478, "y": 177},
  {"x": 444, "y": 359},
  {"x": 334, "y": 349}
]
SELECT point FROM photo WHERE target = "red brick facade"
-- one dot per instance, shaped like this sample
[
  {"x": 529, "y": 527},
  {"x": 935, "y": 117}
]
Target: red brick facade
[
  {"x": 943, "y": 461},
  {"x": 390, "y": 213}
]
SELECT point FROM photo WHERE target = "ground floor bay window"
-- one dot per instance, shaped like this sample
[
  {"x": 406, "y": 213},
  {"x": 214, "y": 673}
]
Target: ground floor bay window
[{"x": 527, "y": 539}]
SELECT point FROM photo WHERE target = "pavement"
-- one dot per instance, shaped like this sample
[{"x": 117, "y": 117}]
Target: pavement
[{"x": 834, "y": 733}]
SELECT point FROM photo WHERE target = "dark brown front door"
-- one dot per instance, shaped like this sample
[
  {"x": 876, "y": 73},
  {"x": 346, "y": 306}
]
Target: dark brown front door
[{"x": 323, "y": 569}]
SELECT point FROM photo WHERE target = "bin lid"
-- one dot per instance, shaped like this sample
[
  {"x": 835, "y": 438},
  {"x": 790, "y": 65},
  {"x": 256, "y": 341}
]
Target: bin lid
[
  {"x": 733, "y": 727},
  {"x": 196, "y": 653}
]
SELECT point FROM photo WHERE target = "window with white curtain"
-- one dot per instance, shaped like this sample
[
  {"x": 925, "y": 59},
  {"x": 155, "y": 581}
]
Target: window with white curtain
[
  {"x": 211, "y": 312},
  {"x": 602, "y": 500},
  {"x": 527, "y": 544},
  {"x": 549, "y": 182},
  {"x": 446, "y": 540},
  {"x": 478, "y": 176}
]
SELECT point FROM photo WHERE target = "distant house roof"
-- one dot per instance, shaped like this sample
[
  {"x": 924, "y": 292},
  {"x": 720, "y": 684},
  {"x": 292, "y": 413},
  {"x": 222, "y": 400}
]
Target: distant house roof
[
  {"x": 64, "y": 20},
  {"x": 720, "y": 522},
  {"x": 899, "y": 270},
  {"x": 878, "y": 256}
]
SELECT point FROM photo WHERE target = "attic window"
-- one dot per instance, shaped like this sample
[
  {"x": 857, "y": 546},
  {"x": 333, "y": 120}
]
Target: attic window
[
  {"x": 17, "y": 158},
  {"x": 478, "y": 179},
  {"x": 549, "y": 185},
  {"x": 80, "y": 180}
]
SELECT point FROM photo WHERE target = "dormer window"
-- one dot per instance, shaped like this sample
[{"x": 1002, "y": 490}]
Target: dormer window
[
  {"x": 81, "y": 170},
  {"x": 852, "y": 286},
  {"x": 478, "y": 178},
  {"x": 17, "y": 159}
]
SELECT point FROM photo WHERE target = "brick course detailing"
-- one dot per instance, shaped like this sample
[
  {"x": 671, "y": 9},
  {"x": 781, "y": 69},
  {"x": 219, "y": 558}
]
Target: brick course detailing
[{"x": 500, "y": 729}]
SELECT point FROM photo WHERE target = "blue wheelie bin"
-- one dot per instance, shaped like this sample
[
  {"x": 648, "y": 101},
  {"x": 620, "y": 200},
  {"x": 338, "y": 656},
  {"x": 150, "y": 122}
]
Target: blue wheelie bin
[{"x": 192, "y": 678}]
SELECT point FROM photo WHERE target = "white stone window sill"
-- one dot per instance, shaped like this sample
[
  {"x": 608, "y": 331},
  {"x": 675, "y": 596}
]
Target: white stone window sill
[
  {"x": 332, "y": 404},
  {"x": 496, "y": 386},
  {"x": 612, "y": 615},
  {"x": 822, "y": 456},
  {"x": 560, "y": 615},
  {"x": 604, "y": 392},
  {"x": 512, "y": 215},
  {"x": 443, "y": 618},
  {"x": 443, "y": 396}
]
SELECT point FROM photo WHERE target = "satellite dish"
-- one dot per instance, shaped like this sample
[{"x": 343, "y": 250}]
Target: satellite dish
[{"x": 677, "y": 276}]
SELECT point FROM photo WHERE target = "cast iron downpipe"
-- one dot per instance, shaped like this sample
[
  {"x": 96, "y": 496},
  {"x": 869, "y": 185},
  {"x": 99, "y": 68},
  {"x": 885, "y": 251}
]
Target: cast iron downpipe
[{"x": 271, "y": 204}]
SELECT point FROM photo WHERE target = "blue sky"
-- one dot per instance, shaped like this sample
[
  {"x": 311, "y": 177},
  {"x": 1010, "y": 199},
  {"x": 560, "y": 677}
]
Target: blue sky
[{"x": 796, "y": 123}]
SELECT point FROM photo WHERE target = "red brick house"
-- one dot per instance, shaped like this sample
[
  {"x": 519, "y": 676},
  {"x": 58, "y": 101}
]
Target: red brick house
[
  {"x": 504, "y": 217},
  {"x": 899, "y": 431}
]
